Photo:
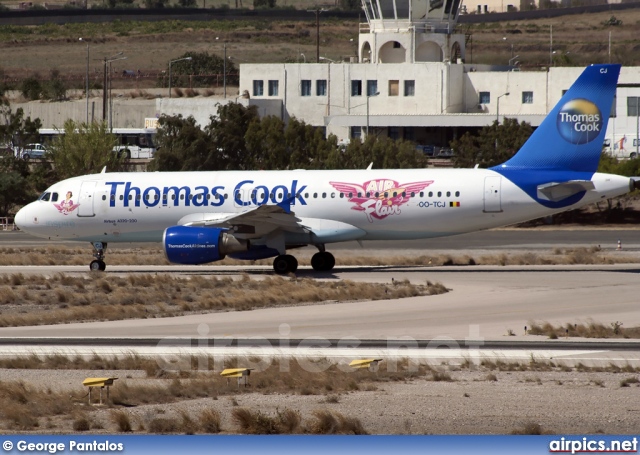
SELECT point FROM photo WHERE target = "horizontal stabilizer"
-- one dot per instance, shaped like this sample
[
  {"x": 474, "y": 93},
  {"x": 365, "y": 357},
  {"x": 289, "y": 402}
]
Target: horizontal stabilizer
[{"x": 555, "y": 192}]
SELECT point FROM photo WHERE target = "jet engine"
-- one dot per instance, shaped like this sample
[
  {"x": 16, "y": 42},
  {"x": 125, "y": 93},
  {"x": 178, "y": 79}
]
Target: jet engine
[{"x": 199, "y": 245}]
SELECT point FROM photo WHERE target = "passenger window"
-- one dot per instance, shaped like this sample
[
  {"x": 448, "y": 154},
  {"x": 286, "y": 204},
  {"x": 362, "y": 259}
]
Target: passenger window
[
  {"x": 279, "y": 195},
  {"x": 315, "y": 195},
  {"x": 104, "y": 197},
  {"x": 324, "y": 195},
  {"x": 131, "y": 197},
  {"x": 341, "y": 195},
  {"x": 306, "y": 195},
  {"x": 439, "y": 193},
  {"x": 333, "y": 195},
  {"x": 457, "y": 193},
  {"x": 350, "y": 194},
  {"x": 138, "y": 197},
  {"x": 173, "y": 197},
  {"x": 430, "y": 193},
  {"x": 421, "y": 193},
  {"x": 377, "y": 194},
  {"x": 413, "y": 194},
  {"x": 359, "y": 194},
  {"x": 156, "y": 197},
  {"x": 404, "y": 194},
  {"x": 208, "y": 197},
  {"x": 226, "y": 196},
  {"x": 113, "y": 197},
  {"x": 448, "y": 193},
  {"x": 121, "y": 197}
]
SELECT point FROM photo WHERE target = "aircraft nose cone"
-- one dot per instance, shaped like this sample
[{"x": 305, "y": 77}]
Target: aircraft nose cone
[{"x": 21, "y": 220}]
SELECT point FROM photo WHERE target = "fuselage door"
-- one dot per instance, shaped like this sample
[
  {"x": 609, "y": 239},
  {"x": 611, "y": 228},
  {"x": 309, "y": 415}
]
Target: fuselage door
[
  {"x": 86, "y": 199},
  {"x": 492, "y": 199}
]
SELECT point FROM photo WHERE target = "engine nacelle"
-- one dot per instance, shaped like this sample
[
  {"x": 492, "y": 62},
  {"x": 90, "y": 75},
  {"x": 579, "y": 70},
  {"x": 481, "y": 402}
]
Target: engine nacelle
[{"x": 199, "y": 245}]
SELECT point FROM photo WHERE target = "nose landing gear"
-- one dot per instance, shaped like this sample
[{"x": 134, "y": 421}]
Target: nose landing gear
[{"x": 98, "y": 264}]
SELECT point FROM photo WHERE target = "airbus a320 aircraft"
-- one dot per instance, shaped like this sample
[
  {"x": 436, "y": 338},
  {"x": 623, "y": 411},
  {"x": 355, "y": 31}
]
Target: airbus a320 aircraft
[{"x": 201, "y": 217}]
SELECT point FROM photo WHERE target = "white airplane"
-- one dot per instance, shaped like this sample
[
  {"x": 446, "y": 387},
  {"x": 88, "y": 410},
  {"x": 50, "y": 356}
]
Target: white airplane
[{"x": 201, "y": 217}]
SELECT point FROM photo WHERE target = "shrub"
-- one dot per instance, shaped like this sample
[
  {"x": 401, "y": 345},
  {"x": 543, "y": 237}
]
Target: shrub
[
  {"x": 122, "y": 421},
  {"x": 210, "y": 421}
]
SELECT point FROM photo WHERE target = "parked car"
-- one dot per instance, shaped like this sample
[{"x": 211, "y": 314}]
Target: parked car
[
  {"x": 428, "y": 150},
  {"x": 33, "y": 151}
]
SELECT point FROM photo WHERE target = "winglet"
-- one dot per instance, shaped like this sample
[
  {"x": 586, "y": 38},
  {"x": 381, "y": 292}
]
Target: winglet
[
  {"x": 370, "y": 166},
  {"x": 104, "y": 170}
]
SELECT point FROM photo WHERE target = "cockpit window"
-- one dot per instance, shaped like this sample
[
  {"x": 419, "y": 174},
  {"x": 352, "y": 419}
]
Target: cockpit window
[
  {"x": 54, "y": 197},
  {"x": 45, "y": 196}
]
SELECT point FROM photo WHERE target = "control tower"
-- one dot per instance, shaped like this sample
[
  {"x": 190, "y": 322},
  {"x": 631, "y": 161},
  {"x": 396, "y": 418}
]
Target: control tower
[{"x": 410, "y": 31}]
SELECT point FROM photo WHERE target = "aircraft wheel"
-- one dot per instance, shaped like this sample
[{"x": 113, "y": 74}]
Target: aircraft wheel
[
  {"x": 292, "y": 262},
  {"x": 323, "y": 261},
  {"x": 281, "y": 265},
  {"x": 97, "y": 266}
]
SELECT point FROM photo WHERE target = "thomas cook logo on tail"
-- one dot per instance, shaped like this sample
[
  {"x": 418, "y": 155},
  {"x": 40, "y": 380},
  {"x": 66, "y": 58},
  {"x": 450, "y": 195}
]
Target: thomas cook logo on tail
[{"x": 579, "y": 121}]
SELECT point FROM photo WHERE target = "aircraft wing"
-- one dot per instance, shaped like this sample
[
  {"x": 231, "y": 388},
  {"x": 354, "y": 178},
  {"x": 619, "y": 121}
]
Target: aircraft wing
[
  {"x": 558, "y": 191},
  {"x": 254, "y": 222}
]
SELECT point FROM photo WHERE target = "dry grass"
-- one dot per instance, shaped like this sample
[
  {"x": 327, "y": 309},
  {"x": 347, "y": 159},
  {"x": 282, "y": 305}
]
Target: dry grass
[
  {"x": 530, "y": 428},
  {"x": 153, "y": 255},
  {"x": 584, "y": 330},
  {"x": 92, "y": 297}
]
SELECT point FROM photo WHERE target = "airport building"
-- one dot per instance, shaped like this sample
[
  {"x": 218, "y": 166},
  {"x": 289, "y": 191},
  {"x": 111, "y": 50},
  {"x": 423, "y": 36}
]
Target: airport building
[{"x": 409, "y": 80}]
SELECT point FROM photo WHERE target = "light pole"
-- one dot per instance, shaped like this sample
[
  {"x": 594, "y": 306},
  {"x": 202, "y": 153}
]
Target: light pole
[
  {"x": 317, "y": 11},
  {"x": 369, "y": 96},
  {"x": 328, "y": 60},
  {"x": 171, "y": 63},
  {"x": 304, "y": 59},
  {"x": 224, "y": 68},
  {"x": 87, "y": 81},
  {"x": 551, "y": 45},
  {"x": 110, "y": 95},
  {"x": 498, "y": 107},
  {"x": 107, "y": 78},
  {"x": 512, "y": 59}
]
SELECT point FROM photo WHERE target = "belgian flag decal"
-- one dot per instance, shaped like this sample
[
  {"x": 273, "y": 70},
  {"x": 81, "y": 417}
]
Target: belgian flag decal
[{"x": 454, "y": 204}]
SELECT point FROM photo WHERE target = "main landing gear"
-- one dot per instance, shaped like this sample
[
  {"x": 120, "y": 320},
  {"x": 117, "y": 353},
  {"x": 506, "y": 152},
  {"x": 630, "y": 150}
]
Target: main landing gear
[
  {"x": 322, "y": 261},
  {"x": 98, "y": 253}
]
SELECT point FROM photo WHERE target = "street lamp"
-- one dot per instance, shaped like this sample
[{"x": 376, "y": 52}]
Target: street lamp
[
  {"x": 512, "y": 59},
  {"x": 87, "y": 81},
  {"x": 171, "y": 63},
  {"x": 304, "y": 59},
  {"x": 106, "y": 84},
  {"x": 317, "y": 11},
  {"x": 369, "y": 96},
  {"x": 498, "y": 107},
  {"x": 327, "y": 59},
  {"x": 224, "y": 68}
]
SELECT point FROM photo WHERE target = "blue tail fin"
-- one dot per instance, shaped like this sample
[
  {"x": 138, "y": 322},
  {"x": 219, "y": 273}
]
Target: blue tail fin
[{"x": 570, "y": 138}]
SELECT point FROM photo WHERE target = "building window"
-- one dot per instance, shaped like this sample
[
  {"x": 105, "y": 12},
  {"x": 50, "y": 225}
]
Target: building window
[
  {"x": 409, "y": 88},
  {"x": 305, "y": 87},
  {"x": 394, "y": 132},
  {"x": 372, "y": 87},
  {"x": 356, "y": 88},
  {"x": 356, "y": 132},
  {"x": 484, "y": 98},
  {"x": 393, "y": 88},
  {"x": 321, "y": 87},
  {"x": 273, "y": 88},
  {"x": 258, "y": 88},
  {"x": 632, "y": 106},
  {"x": 527, "y": 97},
  {"x": 409, "y": 134}
]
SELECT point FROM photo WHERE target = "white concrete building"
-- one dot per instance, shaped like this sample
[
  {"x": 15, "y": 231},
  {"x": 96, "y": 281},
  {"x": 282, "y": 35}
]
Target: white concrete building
[{"x": 410, "y": 81}]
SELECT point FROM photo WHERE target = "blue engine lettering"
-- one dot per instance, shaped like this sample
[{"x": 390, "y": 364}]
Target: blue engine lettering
[{"x": 192, "y": 245}]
